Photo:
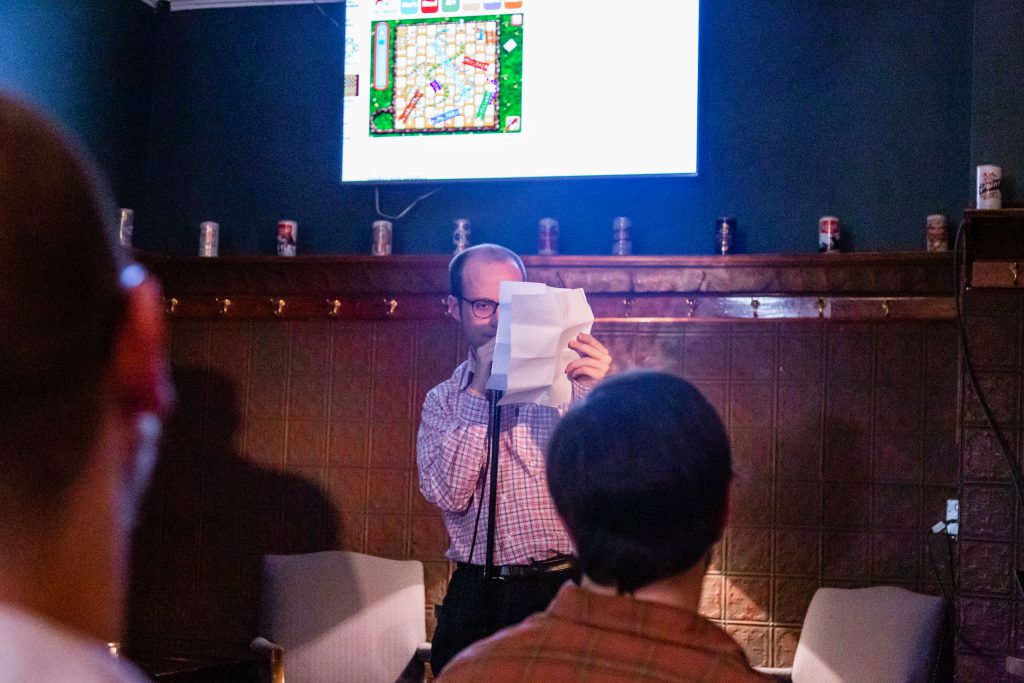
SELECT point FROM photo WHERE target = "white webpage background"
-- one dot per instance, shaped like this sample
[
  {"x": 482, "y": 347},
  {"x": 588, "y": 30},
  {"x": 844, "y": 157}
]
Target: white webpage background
[{"x": 605, "y": 92}]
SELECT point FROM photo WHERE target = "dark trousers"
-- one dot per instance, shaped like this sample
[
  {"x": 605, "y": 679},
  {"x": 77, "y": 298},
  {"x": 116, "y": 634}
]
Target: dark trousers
[{"x": 473, "y": 610}]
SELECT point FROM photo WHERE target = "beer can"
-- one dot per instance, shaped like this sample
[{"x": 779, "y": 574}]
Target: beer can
[
  {"x": 209, "y": 238},
  {"x": 725, "y": 230},
  {"x": 828, "y": 234},
  {"x": 547, "y": 237},
  {"x": 287, "y": 237},
  {"x": 460, "y": 236},
  {"x": 990, "y": 181},
  {"x": 622, "y": 236},
  {"x": 124, "y": 232},
  {"x": 937, "y": 233},
  {"x": 382, "y": 238}
]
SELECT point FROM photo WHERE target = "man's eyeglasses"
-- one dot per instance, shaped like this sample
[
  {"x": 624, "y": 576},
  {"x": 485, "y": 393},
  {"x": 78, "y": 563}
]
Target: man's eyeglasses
[{"x": 482, "y": 308}]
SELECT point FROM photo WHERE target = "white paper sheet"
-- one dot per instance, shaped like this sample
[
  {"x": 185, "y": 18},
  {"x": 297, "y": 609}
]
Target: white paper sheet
[{"x": 535, "y": 324}]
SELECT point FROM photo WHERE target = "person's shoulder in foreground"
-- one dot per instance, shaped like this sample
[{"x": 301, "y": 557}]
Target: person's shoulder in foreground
[
  {"x": 644, "y": 501},
  {"x": 32, "y": 649},
  {"x": 584, "y": 636}
]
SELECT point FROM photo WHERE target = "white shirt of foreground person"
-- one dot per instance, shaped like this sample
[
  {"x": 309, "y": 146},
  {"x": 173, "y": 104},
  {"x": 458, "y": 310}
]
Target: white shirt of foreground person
[{"x": 34, "y": 651}]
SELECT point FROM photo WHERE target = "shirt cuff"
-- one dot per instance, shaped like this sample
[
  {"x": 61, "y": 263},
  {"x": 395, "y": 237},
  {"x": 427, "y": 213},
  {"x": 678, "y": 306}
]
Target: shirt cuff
[
  {"x": 473, "y": 408},
  {"x": 579, "y": 391}
]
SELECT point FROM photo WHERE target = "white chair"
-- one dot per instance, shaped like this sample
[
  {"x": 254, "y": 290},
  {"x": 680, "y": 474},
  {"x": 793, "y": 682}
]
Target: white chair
[
  {"x": 342, "y": 616},
  {"x": 883, "y": 633}
]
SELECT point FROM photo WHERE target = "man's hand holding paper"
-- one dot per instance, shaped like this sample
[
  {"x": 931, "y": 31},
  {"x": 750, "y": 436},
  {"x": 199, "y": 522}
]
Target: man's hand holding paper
[
  {"x": 543, "y": 341},
  {"x": 594, "y": 362}
]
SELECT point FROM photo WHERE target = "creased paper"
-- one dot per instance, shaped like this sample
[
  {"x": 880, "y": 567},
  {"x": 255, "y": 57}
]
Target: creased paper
[{"x": 535, "y": 324}]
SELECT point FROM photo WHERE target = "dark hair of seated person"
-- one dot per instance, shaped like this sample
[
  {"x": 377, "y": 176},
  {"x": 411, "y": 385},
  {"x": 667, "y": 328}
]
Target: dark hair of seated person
[{"x": 640, "y": 474}]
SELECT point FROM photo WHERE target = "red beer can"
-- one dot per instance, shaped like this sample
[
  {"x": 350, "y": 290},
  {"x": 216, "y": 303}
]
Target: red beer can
[{"x": 828, "y": 234}]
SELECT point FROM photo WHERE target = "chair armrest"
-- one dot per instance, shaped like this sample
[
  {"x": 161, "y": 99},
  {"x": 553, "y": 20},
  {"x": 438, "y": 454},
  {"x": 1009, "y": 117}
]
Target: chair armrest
[
  {"x": 423, "y": 652},
  {"x": 272, "y": 655},
  {"x": 783, "y": 674}
]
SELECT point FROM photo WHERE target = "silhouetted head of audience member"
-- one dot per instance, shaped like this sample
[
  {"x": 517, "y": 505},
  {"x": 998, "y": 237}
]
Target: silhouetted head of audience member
[
  {"x": 83, "y": 381},
  {"x": 640, "y": 473}
]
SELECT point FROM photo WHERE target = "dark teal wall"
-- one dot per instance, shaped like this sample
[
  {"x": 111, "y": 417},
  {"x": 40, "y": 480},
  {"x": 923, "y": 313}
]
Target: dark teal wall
[
  {"x": 997, "y": 130},
  {"x": 861, "y": 109},
  {"x": 88, "y": 64}
]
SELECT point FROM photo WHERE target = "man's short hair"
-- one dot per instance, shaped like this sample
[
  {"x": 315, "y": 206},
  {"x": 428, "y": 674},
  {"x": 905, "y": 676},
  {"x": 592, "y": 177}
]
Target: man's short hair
[
  {"x": 640, "y": 473},
  {"x": 488, "y": 252},
  {"x": 59, "y": 312}
]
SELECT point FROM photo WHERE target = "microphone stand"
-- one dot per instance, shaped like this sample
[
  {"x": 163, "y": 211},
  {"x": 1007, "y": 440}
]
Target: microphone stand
[{"x": 494, "y": 429}]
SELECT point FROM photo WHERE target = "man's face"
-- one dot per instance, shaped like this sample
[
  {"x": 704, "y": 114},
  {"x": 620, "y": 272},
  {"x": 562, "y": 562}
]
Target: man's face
[{"x": 481, "y": 279}]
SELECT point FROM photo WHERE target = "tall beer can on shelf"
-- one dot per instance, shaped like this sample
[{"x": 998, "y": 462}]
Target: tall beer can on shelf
[
  {"x": 381, "y": 238},
  {"x": 725, "y": 231},
  {"x": 937, "y": 233},
  {"x": 990, "y": 181},
  {"x": 124, "y": 232},
  {"x": 547, "y": 237},
  {"x": 287, "y": 238},
  {"x": 828, "y": 235},
  {"x": 209, "y": 238},
  {"x": 460, "y": 236},
  {"x": 622, "y": 236}
]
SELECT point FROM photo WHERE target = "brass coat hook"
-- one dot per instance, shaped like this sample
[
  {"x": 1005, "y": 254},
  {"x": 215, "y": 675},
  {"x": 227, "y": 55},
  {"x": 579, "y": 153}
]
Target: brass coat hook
[
  {"x": 225, "y": 305},
  {"x": 392, "y": 304},
  {"x": 333, "y": 307},
  {"x": 171, "y": 305},
  {"x": 628, "y": 305},
  {"x": 279, "y": 305}
]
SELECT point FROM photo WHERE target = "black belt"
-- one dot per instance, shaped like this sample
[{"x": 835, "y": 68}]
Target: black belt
[{"x": 558, "y": 563}]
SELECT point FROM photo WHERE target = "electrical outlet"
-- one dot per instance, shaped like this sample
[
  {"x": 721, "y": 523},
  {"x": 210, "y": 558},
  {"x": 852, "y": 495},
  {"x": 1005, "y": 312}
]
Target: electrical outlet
[{"x": 952, "y": 516}]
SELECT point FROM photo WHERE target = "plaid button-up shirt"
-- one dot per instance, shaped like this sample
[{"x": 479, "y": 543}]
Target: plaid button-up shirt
[
  {"x": 451, "y": 454},
  {"x": 583, "y": 636}
]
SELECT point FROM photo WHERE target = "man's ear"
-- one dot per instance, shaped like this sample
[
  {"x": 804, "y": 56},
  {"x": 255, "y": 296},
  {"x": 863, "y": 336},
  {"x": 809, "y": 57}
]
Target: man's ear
[
  {"x": 454, "y": 310},
  {"x": 140, "y": 368}
]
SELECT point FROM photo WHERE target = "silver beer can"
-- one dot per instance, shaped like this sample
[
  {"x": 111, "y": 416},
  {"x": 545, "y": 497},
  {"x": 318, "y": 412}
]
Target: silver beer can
[
  {"x": 209, "y": 238},
  {"x": 725, "y": 230},
  {"x": 460, "y": 236},
  {"x": 622, "y": 236},
  {"x": 547, "y": 237},
  {"x": 382, "y": 231}
]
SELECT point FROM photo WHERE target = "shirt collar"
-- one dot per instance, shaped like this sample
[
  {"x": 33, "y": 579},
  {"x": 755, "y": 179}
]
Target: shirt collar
[
  {"x": 648, "y": 620},
  {"x": 467, "y": 369}
]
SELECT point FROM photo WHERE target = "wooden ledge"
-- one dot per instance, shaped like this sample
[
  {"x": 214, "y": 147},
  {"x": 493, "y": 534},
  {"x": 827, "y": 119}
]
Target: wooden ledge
[{"x": 329, "y": 277}]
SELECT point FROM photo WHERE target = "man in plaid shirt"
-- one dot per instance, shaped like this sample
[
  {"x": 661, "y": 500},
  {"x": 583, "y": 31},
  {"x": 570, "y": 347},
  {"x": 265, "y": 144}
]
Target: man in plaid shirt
[
  {"x": 533, "y": 552},
  {"x": 640, "y": 472}
]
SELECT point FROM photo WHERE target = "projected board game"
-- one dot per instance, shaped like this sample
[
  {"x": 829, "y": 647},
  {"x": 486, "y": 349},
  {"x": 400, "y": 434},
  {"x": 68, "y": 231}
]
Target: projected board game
[{"x": 432, "y": 76}]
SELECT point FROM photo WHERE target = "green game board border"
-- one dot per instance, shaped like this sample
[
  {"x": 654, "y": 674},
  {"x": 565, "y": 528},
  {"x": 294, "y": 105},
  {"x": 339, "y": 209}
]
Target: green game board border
[{"x": 510, "y": 100}]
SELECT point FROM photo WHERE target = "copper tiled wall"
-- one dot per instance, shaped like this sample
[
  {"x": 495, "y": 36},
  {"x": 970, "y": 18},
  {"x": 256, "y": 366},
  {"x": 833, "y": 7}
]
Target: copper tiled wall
[
  {"x": 991, "y": 612},
  {"x": 843, "y": 437},
  {"x": 843, "y": 445}
]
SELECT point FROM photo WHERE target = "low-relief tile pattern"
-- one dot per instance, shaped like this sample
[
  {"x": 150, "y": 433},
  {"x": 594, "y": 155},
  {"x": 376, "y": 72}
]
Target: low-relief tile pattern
[{"x": 843, "y": 436}]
